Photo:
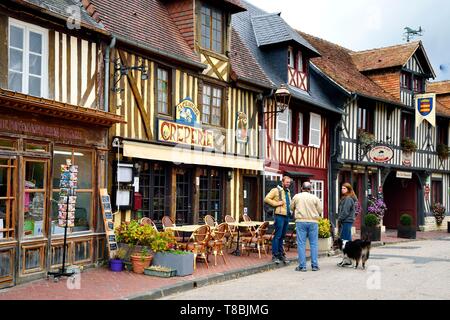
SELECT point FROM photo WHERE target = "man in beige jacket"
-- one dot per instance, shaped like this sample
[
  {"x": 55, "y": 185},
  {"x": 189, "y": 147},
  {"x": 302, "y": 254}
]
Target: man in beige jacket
[{"x": 308, "y": 209}]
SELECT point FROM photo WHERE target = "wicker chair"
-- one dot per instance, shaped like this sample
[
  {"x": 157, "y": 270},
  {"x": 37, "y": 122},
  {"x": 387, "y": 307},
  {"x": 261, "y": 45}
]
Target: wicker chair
[
  {"x": 148, "y": 221},
  {"x": 167, "y": 223},
  {"x": 250, "y": 230},
  {"x": 217, "y": 242},
  {"x": 209, "y": 220},
  {"x": 232, "y": 233},
  {"x": 256, "y": 239},
  {"x": 199, "y": 246}
]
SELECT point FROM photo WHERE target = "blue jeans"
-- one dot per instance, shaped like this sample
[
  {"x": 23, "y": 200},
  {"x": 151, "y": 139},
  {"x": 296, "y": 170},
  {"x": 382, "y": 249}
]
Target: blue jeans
[
  {"x": 308, "y": 230},
  {"x": 281, "y": 226},
  {"x": 346, "y": 231}
]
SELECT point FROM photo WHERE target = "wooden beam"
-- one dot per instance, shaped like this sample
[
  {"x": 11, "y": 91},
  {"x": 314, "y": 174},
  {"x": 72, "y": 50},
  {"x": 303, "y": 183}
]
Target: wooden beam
[
  {"x": 138, "y": 97},
  {"x": 3, "y": 51}
]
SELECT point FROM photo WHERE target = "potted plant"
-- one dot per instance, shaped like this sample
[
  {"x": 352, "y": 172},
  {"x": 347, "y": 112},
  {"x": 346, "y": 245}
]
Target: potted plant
[
  {"x": 160, "y": 271},
  {"x": 442, "y": 151},
  {"x": 116, "y": 263},
  {"x": 132, "y": 237},
  {"x": 166, "y": 256},
  {"x": 405, "y": 229},
  {"x": 141, "y": 261},
  {"x": 438, "y": 213},
  {"x": 366, "y": 139},
  {"x": 371, "y": 229},
  {"x": 325, "y": 239},
  {"x": 408, "y": 145}
]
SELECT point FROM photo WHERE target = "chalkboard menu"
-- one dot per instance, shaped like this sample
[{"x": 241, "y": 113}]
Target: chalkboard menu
[
  {"x": 68, "y": 194},
  {"x": 105, "y": 201}
]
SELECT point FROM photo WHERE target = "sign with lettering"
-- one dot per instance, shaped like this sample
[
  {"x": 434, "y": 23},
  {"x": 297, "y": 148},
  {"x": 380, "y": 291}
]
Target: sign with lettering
[
  {"x": 407, "y": 159},
  {"x": 381, "y": 154},
  {"x": 187, "y": 113},
  {"x": 404, "y": 175},
  {"x": 241, "y": 128},
  {"x": 105, "y": 202},
  {"x": 187, "y": 135}
]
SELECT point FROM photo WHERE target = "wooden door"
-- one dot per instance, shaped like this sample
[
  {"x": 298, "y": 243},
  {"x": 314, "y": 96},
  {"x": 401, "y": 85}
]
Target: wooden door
[
  {"x": 184, "y": 198},
  {"x": 250, "y": 196}
]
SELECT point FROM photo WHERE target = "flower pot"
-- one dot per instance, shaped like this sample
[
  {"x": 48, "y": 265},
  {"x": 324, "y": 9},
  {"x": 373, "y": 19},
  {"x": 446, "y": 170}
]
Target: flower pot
[
  {"x": 406, "y": 232},
  {"x": 371, "y": 233},
  {"x": 116, "y": 265},
  {"x": 161, "y": 274},
  {"x": 140, "y": 263},
  {"x": 182, "y": 263}
]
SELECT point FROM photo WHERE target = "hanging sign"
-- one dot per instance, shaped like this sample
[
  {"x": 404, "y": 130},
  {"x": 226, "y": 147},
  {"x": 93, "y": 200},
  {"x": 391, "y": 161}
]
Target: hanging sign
[
  {"x": 105, "y": 202},
  {"x": 407, "y": 159},
  {"x": 241, "y": 128},
  {"x": 426, "y": 108},
  {"x": 381, "y": 154},
  {"x": 68, "y": 194},
  {"x": 187, "y": 113},
  {"x": 404, "y": 175}
]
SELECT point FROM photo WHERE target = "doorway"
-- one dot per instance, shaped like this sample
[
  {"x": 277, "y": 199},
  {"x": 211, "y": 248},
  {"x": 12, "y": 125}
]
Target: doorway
[
  {"x": 400, "y": 196},
  {"x": 250, "y": 196},
  {"x": 184, "y": 197}
]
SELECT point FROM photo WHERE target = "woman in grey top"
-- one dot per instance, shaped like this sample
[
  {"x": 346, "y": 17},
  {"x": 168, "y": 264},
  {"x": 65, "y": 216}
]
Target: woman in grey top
[{"x": 346, "y": 214}]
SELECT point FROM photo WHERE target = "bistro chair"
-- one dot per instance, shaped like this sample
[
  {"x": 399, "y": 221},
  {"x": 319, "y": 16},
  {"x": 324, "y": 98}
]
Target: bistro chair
[
  {"x": 148, "y": 221},
  {"x": 209, "y": 220},
  {"x": 256, "y": 241},
  {"x": 232, "y": 233},
  {"x": 217, "y": 242},
  {"x": 167, "y": 223},
  {"x": 199, "y": 246},
  {"x": 291, "y": 239},
  {"x": 249, "y": 231}
]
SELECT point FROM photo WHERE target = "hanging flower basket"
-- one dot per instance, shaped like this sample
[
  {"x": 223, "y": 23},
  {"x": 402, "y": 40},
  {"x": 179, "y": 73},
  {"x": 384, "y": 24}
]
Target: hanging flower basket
[{"x": 438, "y": 213}]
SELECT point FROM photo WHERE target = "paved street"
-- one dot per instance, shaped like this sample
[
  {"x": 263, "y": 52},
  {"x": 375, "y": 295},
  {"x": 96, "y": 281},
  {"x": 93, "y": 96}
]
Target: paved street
[{"x": 413, "y": 270}]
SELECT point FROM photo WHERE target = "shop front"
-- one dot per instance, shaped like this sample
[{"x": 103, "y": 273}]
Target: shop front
[{"x": 36, "y": 138}]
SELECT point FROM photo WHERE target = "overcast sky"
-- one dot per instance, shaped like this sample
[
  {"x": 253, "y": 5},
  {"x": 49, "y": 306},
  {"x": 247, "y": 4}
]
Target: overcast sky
[{"x": 367, "y": 24}]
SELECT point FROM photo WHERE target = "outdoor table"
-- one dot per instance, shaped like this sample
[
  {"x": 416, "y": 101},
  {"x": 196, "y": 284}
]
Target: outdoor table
[
  {"x": 184, "y": 229},
  {"x": 239, "y": 225}
]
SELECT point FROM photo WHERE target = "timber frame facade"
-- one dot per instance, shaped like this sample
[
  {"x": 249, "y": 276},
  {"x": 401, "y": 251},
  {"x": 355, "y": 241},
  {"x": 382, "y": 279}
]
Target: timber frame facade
[{"x": 51, "y": 101}]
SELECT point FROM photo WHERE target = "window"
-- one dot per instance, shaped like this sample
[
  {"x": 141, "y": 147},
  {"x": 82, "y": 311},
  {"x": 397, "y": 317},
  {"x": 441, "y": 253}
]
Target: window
[
  {"x": 406, "y": 80},
  {"x": 7, "y": 199},
  {"x": 442, "y": 132},
  {"x": 163, "y": 90},
  {"x": 85, "y": 192},
  {"x": 212, "y": 105},
  {"x": 291, "y": 62},
  {"x": 407, "y": 126},
  {"x": 436, "y": 191},
  {"x": 284, "y": 126},
  {"x": 34, "y": 205},
  {"x": 365, "y": 119},
  {"x": 27, "y": 69},
  {"x": 317, "y": 189},
  {"x": 315, "y": 129},
  {"x": 295, "y": 60},
  {"x": 300, "y": 129},
  {"x": 210, "y": 194},
  {"x": 418, "y": 85},
  {"x": 152, "y": 185},
  {"x": 212, "y": 29}
]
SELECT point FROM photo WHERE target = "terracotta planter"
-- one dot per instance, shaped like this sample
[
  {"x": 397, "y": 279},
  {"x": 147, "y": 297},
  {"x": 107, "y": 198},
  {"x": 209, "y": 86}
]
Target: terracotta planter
[{"x": 139, "y": 263}]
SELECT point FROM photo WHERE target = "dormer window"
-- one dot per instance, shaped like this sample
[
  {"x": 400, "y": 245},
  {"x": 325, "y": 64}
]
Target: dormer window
[
  {"x": 297, "y": 71},
  {"x": 295, "y": 60},
  {"x": 212, "y": 29}
]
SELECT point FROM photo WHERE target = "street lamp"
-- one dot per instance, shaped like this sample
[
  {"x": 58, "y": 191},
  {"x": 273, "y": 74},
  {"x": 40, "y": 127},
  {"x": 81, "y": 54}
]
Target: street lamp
[
  {"x": 122, "y": 70},
  {"x": 282, "y": 99}
]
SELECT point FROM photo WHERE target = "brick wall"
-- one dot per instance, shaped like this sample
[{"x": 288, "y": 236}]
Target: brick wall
[
  {"x": 182, "y": 13},
  {"x": 389, "y": 81},
  {"x": 444, "y": 99}
]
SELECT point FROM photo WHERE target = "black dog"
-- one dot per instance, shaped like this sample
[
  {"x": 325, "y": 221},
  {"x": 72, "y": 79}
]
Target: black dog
[{"x": 356, "y": 250}]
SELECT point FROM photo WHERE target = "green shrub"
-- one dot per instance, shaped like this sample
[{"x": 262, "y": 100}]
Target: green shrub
[
  {"x": 132, "y": 233},
  {"x": 442, "y": 151},
  {"x": 406, "y": 220},
  {"x": 371, "y": 220},
  {"x": 408, "y": 145},
  {"x": 324, "y": 229}
]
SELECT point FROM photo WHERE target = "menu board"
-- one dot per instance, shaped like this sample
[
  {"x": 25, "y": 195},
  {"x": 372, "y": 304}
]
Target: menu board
[
  {"x": 68, "y": 194},
  {"x": 109, "y": 223}
]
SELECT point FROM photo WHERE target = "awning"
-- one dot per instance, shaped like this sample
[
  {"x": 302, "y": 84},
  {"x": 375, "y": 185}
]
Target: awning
[
  {"x": 180, "y": 155},
  {"x": 293, "y": 174}
]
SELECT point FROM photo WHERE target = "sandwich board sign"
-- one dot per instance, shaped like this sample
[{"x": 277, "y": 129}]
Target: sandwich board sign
[{"x": 111, "y": 241}]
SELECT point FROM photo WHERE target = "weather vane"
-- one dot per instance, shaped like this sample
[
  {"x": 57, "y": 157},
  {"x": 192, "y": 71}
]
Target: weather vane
[{"x": 410, "y": 33}]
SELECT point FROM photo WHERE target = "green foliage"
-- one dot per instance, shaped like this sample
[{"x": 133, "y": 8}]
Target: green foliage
[
  {"x": 443, "y": 151},
  {"x": 408, "y": 145},
  {"x": 163, "y": 241},
  {"x": 120, "y": 254},
  {"x": 324, "y": 228},
  {"x": 366, "y": 139},
  {"x": 159, "y": 268},
  {"x": 144, "y": 254},
  {"x": 406, "y": 220},
  {"x": 438, "y": 212},
  {"x": 132, "y": 233},
  {"x": 371, "y": 220}
]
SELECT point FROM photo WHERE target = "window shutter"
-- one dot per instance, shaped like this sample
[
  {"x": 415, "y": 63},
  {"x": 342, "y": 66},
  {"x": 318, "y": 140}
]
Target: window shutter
[
  {"x": 314, "y": 130},
  {"x": 282, "y": 125},
  {"x": 289, "y": 126},
  {"x": 300, "y": 129}
]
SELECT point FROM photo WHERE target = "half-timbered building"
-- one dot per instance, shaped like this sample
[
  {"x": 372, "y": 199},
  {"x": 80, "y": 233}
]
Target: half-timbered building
[
  {"x": 191, "y": 137},
  {"x": 297, "y": 141},
  {"x": 381, "y": 85},
  {"x": 51, "y": 104}
]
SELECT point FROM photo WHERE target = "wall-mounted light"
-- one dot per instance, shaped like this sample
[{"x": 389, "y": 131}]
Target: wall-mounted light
[
  {"x": 230, "y": 175},
  {"x": 282, "y": 99},
  {"x": 121, "y": 70}
]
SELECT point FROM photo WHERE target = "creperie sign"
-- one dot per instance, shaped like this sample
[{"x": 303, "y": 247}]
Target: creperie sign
[{"x": 172, "y": 132}]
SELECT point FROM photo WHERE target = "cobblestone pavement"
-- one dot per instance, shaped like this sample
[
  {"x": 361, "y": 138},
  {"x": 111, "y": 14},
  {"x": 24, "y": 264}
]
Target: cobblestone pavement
[{"x": 406, "y": 271}]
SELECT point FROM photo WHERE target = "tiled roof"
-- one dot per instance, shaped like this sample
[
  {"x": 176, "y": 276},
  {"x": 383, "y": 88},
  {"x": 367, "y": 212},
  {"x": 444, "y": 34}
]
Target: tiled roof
[
  {"x": 337, "y": 63},
  {"x": 394, "y": 56},
  {"x": 60, "y": 6},
  {"x": 440, "y": 87},
  {"x": 244, "y": 64},
  {"x": 145, "y": 21},
  {"x": 272, "y": 29},
  {"x": 237, "y": 5}
]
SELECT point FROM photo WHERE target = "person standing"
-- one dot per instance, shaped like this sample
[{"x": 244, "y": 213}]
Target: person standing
[
  {"x": 280, "y": 199},
  {"x": 308, "y": 210},
  {"x": 346, "y": 217}
]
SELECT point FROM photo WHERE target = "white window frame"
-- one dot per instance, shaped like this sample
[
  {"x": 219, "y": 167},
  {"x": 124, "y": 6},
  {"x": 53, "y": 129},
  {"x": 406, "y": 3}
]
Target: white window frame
[
  {"x": 291, "y": 62},
  {"x": 288, "y": 122},
  {"x": 299, "y": 58},
  {"x": 314, "y": 189},
  {"x": 27, "y": 27},
  {"x": 301, "y": 123},
  {"x": 311, "y": 129}
]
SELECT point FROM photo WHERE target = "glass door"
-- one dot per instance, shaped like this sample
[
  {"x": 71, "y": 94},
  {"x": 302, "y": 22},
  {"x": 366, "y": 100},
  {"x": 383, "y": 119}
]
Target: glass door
[{"x": 184, "y": 198}]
